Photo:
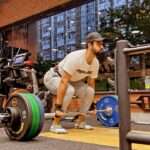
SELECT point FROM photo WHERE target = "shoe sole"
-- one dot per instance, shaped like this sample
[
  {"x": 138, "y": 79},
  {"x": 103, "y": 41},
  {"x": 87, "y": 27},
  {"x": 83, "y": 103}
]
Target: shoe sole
[
  {"x": 84, "y": 128},
  {"x": 58, "y": 132}
]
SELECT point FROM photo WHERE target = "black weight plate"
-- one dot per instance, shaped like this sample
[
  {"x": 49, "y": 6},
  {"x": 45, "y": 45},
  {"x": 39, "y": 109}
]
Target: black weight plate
[{"x": 21, "y": 129}]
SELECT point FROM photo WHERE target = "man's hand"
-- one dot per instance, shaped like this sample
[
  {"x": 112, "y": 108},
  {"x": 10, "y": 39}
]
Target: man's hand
[
  {"x": 59, "y": 113},
  {"x": 92, "y": 112}
]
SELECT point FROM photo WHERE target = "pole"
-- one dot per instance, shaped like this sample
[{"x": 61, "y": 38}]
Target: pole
[{"x": 122, "y": 81}]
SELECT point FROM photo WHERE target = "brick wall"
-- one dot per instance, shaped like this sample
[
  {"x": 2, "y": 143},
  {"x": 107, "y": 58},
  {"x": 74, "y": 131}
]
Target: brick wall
[
  {"x": 14, "y": 10},
  {"x": 14, "y": 13},
  {"x": 24, "y": 37}
]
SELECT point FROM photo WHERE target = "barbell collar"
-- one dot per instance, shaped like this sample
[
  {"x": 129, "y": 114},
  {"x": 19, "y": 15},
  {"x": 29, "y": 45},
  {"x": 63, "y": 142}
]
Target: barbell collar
[{"x": 4, "y": 117}]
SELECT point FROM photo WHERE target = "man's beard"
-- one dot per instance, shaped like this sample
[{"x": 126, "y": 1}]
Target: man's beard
[
  {"x": 97, "y": 54},
  {"x": 101, "y": 57}
]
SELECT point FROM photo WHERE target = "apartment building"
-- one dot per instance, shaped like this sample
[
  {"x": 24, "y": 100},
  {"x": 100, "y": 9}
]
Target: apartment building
[{"x": 60, "y": 34}]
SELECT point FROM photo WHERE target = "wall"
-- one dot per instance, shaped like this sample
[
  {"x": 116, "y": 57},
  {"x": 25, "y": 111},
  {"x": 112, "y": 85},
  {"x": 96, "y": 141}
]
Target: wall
[
  {"x": 12, "y": 11},
  {"x": 17, "y": 13},
  {"x": 24, "y": 37}
]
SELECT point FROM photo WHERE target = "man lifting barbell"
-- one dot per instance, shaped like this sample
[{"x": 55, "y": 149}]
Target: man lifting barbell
[{"x": 65, "y": 80}]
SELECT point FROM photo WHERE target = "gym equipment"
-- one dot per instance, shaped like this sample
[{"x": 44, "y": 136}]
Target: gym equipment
[
  {"x": 52, "y": 115},
  {"x": 27, "y": 70},
  {"x": 109, "y": 118},
  {"x": 19, "y": 73},
  {"x": 143, "y": 102},
  {"x": 107, "y": 111},
  {"x": 127, "y": 136},
  {"x": 24, "y": 115}
]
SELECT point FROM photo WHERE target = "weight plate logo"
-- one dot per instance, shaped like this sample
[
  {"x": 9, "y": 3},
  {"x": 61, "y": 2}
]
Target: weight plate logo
[{"x": 14, "y": 102}]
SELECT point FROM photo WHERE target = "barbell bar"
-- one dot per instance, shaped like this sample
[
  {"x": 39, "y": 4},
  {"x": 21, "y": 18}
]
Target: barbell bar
[{"x": 108, "y": 111}]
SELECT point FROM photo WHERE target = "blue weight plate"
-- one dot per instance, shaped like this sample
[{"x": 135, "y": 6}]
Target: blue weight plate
[
  {"x": 106, "y": 119},
  {"x": 41, "y": 108}
]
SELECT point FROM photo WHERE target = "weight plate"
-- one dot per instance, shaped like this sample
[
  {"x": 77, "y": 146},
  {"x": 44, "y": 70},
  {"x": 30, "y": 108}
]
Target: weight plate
[
  {"x": 108, "y": 118},
  {"x": 41, "y": 108},
  {"x": 35, "y": 116},
  {"x": 19, "y": 130},
  {"x": 15, "y": 91},
  {"x": 115, "y": 96},
  {"x": 47, "y": 102}
]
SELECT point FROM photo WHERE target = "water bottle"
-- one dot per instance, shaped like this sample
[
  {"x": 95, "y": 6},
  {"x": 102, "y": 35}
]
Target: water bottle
[{"x": 147, "y": 82}]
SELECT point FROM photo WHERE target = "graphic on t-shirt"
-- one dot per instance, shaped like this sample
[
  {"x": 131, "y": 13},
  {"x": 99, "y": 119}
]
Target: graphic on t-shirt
[{"x": 85, "y": 72}]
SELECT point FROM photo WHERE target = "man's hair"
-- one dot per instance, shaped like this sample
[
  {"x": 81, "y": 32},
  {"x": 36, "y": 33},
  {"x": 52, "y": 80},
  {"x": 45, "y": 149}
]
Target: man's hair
[
  {"x": 92, "y": 37},
  {"x": 89, "y": 42}
]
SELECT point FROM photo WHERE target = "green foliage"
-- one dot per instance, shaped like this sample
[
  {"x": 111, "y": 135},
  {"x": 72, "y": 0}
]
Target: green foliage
[
  {"x": 120, "y": 22},
  {"x": 137, "y": 84},
  {"x": 42, "y": 66},
  {"x": 102, "y": 85}
]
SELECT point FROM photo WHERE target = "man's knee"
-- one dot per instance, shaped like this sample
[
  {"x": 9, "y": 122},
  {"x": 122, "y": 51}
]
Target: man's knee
[
  {"x": 90, "y": 91},
  {"x": 70, "y": 91}
]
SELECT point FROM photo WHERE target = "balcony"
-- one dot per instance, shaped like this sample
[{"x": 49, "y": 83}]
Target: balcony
[
  {"x": 60, "y": 42},
  {"x": 71, "y": 29},
  {"x": 60, "y": 30},
  {"x": 71, "y": 41}
]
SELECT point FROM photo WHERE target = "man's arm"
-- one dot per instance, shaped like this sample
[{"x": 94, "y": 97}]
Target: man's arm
[
  {"x": 91, "y": 82},
  {"x": 62, "y": 87}
]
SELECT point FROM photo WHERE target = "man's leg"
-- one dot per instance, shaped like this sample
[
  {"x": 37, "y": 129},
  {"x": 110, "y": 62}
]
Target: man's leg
[
  {"x": 52, "y": 84},
  {"x": 56, "y": 127},
  {"x": 86, "y": 93},
  {"x": 67, "y": 100}
]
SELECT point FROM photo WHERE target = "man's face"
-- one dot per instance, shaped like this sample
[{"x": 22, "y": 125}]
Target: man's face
[{"x": 97, "y": 47}]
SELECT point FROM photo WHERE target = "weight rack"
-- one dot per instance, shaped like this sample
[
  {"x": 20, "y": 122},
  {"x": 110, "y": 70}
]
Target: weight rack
[{"x": 127, "y": 137}]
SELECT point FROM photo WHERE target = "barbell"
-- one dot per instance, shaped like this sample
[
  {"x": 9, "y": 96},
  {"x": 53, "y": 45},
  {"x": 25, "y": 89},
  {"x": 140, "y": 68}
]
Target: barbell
[
  {"x": 108, "y": 111},
  {"x": 24, "y": 115}
]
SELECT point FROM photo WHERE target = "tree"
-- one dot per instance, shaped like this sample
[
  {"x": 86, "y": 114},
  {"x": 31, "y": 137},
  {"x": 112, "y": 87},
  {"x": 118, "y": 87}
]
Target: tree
[{"x": 120, "y": 22}]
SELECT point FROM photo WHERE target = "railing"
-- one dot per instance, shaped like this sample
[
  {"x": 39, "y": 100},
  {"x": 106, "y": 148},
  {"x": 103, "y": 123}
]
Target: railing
[{"x": 127, "y": 137}]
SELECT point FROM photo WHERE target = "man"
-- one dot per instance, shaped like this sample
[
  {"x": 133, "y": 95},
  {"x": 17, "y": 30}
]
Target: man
[{"x": 65, "y": 80}]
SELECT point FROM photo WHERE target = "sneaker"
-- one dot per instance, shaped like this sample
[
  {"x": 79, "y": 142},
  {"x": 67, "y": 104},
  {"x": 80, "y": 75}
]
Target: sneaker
[
  {"x": 58, "y": 129},
  {"x": 83, "y": 125}
]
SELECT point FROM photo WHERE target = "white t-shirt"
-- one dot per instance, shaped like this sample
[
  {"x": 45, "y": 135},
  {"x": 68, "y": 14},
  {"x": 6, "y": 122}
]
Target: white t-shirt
[{"x": 75, "y": 64}]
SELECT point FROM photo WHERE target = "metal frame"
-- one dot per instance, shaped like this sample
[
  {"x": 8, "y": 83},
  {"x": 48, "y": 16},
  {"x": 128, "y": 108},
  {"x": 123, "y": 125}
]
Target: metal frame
[{"x": 122, "y": 80}]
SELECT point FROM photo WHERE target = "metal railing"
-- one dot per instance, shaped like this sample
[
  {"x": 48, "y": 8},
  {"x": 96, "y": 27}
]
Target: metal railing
[{"x": 127, "y": 137}]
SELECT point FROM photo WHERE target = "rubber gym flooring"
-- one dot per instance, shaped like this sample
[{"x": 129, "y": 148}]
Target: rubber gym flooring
[{"x": 101, "y": 138}]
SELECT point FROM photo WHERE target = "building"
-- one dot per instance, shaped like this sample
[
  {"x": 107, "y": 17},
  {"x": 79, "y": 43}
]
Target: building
[{"x": 65, "y": 32}]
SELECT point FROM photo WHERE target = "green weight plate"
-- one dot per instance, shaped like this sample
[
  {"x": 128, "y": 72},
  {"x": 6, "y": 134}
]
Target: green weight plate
[
  {"x": 35, "y": 116},
  {"x": 20, "y": 127},
  {"x": 41, "y": 108}
]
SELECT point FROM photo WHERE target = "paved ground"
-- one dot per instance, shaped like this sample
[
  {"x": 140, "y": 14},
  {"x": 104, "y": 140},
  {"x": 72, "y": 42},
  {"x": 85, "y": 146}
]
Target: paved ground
[{"x": 45, "y": 143}]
